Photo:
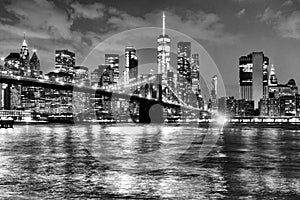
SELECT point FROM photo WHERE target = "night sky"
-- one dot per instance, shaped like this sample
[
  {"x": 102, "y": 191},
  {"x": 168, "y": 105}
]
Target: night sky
[{"x": 226, "y": 29}]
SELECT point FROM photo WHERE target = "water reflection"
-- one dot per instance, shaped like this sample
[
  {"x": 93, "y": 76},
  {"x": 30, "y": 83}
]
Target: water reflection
[{"x": 63, "y": 162}]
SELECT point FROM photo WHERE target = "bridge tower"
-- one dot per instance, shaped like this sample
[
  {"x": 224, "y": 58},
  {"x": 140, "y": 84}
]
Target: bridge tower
[
  {"x": 152, "y": 111},
  {"x": 5, "y": 96}
]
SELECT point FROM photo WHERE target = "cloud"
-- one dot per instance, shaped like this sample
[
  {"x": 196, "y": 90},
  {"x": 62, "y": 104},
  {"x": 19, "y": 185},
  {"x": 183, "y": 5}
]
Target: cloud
[
  {"x": 269, "y": 15},
  {"x": 242, "y": 1},
  {"x": 198, "y": 25},
  {"x": 287, "y": 3},
  {"x": 90, "y": 11},
  {"x": 287, "y": 26},
  {"x": 241, "y": 13},
  {"x": 49, "y": 27},
  {"x": 41, "y": 16}
]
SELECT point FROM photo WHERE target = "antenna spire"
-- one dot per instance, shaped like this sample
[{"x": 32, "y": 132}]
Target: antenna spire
[
  {"x": 164, "y": 23},
  {"x": 24, "y": 41}
]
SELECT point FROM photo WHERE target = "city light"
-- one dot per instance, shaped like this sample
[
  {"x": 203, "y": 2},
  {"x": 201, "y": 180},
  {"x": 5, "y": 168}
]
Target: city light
[
  {"x": 221, "y": 119},
  {"x": 261, "y": 94}
]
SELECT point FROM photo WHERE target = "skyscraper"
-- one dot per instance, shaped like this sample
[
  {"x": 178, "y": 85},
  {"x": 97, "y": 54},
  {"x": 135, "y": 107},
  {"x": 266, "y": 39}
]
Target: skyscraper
[
  {"x": 31, "y": 96},
  {"x": 184, "y": 61},
  {"x": 12, "y": 64},
  {"x": 253, "y": 77},
  {"x": 82, "y": 75},
  {"x": 35, "y": 67},
  {"x": 24, "y": 55},
  {"x": 260, "y": 76},
  {"x": 272, "y": 77},
  {"x": 184, "y": 70},
  {"x": 65, "y": 61},
  {"x": 245, "y": 74},
  {"x": 214, "y": 103},
  {"x": 131, "y": 64},
  {"x": 163, "y": 53},
  {"x": 112, "y": 60},
  {"x": 195, "y": 73}
]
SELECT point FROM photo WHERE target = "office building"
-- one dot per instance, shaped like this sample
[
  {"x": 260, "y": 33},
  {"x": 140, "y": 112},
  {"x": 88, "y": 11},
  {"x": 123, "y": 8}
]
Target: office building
[
  {"x": 112, "y": 60},
  {"x": 287, "y": 105},
  {"x": 24, "y": 58},
  {"x": 253, "y": 74},
  {"x": 244, "y": 107},
  {"x": 163, "y": 52},
  {"x": 82, "y": 75},
  {"x": 131, "y": 64},
  {"x": 35, "y": 66},
  {"x": 184, "y": 83},
  {"x": 195, "y": 73},
  {"x": 213, "y": 94},
  {"x": 65, "y": 61},
  {"x": 12, "y": 64}
]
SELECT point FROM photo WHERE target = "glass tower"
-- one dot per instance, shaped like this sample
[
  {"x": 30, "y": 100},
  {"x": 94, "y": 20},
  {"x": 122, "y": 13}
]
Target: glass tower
[{"x": 163, "y": 53}]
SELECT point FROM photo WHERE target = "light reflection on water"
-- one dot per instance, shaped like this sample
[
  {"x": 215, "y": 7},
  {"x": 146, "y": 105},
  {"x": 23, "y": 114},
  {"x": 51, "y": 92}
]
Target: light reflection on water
[{"x": 63, "y": 162}]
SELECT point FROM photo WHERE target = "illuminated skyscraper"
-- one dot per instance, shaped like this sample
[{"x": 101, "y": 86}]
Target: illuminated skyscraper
[
  {"x": 31, "y": 96},
  {"x": 214, "y": 103},
  {"x": 131, "y": 64},
  {"x": 112, "y": 60},
  {"x": 24, "y": 54},
  {"x": 65, "y": 61},
  {"x": 272, "y": 77},
  {"x": 195, "y": 73},
  {"x": 35, "y": 67},
  {"x": 163, "y": 53},
  {"x": 184, "y": 81},
  {"x": 82, "y": 75},
  {"x": 12, "y": 64},
  {"x": 254, "y": 77},
  {"x": 260, "y": 76},
  {"x": 184, "y": 61},
  {"x": 246, "y": 71}
]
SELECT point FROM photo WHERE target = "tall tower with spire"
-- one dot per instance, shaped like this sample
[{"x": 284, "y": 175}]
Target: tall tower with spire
[
  {"x": 272, "y": 77},
  {"x": 24, "y": 54},
  {"x": 163, "y": 51}
]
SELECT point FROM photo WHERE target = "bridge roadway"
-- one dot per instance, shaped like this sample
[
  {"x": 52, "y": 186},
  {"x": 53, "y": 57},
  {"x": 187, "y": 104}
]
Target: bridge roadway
[{"x": 17, "y": 80}]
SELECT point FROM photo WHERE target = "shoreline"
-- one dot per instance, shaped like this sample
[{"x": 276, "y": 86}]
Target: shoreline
[{"x": 199, "y": 124}]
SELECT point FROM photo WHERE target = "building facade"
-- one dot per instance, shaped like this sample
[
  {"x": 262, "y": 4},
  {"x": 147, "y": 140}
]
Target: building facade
[
  {"x": 253, "y": 74},
  {"x": 65, "y": 61},
  {"x": 112, "y": 60},
  {"x": 131, "y": 65}
]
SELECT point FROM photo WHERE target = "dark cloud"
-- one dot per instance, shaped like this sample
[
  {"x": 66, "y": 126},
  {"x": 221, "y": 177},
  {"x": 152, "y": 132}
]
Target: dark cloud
[
  {"x": 50, "y": 27},
  {"x": 241, "y": 13},
  {"x": 287, "y": 3},
  {"x": 287, "y": 26},
  {"x": 227, "y": 30}
]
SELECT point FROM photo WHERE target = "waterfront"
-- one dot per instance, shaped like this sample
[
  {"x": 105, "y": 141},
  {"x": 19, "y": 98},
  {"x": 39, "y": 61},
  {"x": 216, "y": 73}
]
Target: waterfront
[{"x": 92, "y": 161}]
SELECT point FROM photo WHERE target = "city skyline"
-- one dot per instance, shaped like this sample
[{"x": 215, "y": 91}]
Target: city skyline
[
  {"x": 259, "y": 87},
  {"x": 61, "y": 103},
  {"x": 140, "y": 99},
  {"x": 226, "y": 35}
]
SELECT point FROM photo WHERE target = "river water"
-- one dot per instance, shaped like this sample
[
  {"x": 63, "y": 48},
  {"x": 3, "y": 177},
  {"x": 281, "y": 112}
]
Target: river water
[{"x": 148, "y": 162}]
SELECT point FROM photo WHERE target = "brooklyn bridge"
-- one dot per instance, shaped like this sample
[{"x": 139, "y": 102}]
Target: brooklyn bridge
[{"x": 154, "y": 99}]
